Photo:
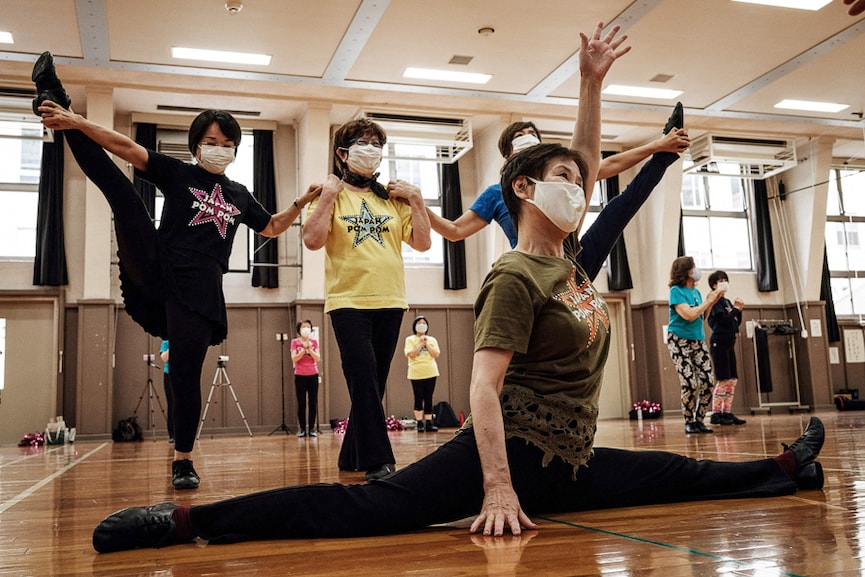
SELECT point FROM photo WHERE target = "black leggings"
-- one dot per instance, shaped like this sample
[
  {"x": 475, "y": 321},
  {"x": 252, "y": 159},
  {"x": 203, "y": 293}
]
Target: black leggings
[
  {"x": 447, "y": 485},
  {"x": 306, "y": 386},
  {"x": 189, "y": 332},
  {"x": 423, "y": 394}
]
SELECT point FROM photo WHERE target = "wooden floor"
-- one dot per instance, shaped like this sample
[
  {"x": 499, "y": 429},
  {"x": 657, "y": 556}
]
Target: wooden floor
[{"x": 51, "y": 498}]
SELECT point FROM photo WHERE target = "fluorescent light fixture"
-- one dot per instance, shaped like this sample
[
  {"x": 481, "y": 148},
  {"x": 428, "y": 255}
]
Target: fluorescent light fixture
[
  {"x": 811, "y": 106},
  {"x": 220, "y": 56},
  {"x": 446, "y": 75},
  {"x": 797, "y": 4},
  {"x": 620, "y": 90},
  {"x": 6, "y": 37}
]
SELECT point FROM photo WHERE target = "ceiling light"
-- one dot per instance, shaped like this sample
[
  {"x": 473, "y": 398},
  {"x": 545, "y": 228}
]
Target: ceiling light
[
  {"x": 797, "y": 4},
  {"x": 6, "y": 38},
  {"x": 639, "y": 91},
  {"x": 220, "y": 56},
  {"x": 811, "y": 106},
  {"x": 446, "y": 75}
]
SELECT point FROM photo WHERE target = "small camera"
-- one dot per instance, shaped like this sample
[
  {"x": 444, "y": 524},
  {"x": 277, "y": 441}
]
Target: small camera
[{"x": 223, "y": 358}]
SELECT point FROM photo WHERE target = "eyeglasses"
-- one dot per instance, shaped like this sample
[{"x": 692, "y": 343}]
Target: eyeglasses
[{"x": 365, "y": 142}]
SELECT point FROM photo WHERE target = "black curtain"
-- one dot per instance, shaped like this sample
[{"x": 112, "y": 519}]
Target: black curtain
[
  {"x": 619, "y": 273},
  {"x": 264, "y": 185},
  {"x": 49, "y": 266},
  {"x": 452, "y": 209},
  {"x": 826, "y": 296},
  {"x": 680, "y": 249},
  {"x": 767, "y": 277},
  {"x": 145, "y": 135}
]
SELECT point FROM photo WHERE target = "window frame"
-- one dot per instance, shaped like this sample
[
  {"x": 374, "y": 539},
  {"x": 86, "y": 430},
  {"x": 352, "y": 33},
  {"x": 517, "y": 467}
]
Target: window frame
[{"x": 843, "y": 218}]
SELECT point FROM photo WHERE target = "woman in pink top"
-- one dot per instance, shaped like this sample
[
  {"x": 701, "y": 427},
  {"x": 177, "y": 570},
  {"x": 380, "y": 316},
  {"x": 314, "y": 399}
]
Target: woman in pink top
[{"x": 305, "y": 356}]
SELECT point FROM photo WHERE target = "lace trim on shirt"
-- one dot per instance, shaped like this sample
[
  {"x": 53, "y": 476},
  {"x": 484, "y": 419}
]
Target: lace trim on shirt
[{"x": 560, "y": 427}]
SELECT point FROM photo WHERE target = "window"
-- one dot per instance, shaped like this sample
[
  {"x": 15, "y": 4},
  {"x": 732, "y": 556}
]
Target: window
[
  {"x": 425, "y": 175},
  {"x": 715, "y": 221},
  {"x": 845, "y": 232},
  {"x": 20, "y": 160},
  {"x": 596, "y": 204}
]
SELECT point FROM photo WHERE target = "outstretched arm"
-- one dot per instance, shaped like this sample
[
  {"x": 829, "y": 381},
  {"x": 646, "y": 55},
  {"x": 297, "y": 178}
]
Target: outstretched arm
[
  {"x": 283, "y": 219},
  {"x": 596, "y": 57},
  {"x": 56, "y": 117},
  {"x": 466, "y": 225},
  {"x": 674, "y": 141}
]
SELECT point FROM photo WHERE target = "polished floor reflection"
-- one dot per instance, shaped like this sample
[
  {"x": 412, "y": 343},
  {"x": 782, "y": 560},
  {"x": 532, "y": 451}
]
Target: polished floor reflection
[{"x": 52, "y": 497}]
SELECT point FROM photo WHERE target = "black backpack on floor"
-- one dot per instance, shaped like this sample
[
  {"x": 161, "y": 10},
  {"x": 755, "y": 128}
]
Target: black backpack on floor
[{"x": 444, "y": 415}]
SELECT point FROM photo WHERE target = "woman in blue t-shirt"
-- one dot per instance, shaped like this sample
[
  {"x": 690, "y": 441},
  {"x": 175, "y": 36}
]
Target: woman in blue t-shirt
[{"x": 686, "y": 342}]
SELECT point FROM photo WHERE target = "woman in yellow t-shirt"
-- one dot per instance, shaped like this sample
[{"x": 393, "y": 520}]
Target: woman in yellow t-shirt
[{"x": 422, "y": 351}]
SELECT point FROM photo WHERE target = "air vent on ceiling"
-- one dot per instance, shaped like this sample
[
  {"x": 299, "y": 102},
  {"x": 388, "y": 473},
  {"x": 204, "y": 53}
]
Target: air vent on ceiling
[
  {"x": 738, "y": 156},
  {"x": 195, "y": 110},
  {"x": 452, "y": 137},
  {"x": 174, "y": 149}
]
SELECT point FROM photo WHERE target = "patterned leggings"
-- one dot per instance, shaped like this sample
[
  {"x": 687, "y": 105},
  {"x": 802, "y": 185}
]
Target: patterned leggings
[
  {"x": 694, "y": 367},
  {"x": 722, "y": 398}
]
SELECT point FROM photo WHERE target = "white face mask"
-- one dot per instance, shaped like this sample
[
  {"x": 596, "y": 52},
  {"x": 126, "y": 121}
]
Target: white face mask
[
  {"x": 363, "y": 159},
  {"x": 215, "y": 159},
  {"x": 523, "y": 142},
  {"x": 305, "y": 331},
  {"x": 723, "y": 285},
  {"x": 562, "y": 202},
  {"x": 696, "y": 274},
  {"x": 421, "y": 328}
]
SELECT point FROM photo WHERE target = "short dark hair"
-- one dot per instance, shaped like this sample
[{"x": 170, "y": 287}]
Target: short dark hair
[
  {"x": 301, "y": 323},
  {"x": 227, "y": 124},
  {"x": 416, "y": 321},
  {"x": 717, "y": 276},
  {"x": 507, "y": 138},
  {"x": 351, "y": 131},
  {"x": 680, "y": 269},
  {"x": 531, "y": 162}
]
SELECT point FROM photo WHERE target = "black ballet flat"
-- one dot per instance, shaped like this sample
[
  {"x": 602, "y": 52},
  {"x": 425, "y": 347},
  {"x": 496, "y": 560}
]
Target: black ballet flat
[{"x": 48, "y": 86}]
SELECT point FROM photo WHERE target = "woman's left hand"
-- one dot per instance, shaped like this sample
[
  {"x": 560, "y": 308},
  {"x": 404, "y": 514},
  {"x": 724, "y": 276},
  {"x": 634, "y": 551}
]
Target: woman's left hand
[
  {"x": 597, "y": 55},
  {"x": 501, "y": 508},
  {"x": 402, "y": 190}
]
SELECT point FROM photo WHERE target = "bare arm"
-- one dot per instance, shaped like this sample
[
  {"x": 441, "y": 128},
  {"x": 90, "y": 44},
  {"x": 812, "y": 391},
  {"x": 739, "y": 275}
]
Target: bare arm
[
  {"x": 316, "y": 226},
  {"x": 596, "y": 57},
  {"x": 56, "y": 117},
  {"x": 283, "y": 219},
  {"x": 674, "y": 141},
  {"x": 690, "y": 313},
  {"x": 500, "y": 506},
  {"x": 463, "y": 227}
]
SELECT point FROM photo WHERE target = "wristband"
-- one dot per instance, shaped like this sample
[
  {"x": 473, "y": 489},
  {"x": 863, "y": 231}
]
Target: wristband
[{"x": 297, "y": 206}]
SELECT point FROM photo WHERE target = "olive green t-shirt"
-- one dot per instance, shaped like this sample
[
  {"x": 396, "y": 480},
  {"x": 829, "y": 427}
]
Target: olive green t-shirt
[{"x": 545, "y": 310}]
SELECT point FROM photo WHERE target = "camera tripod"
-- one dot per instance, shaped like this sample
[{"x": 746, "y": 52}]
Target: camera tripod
[
  {"x": 151, "y": 393},
  {"x": 282, "y": 337},
  {"x": 220, "y": 379}
]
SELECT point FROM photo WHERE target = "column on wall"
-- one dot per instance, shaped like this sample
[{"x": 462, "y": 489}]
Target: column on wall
[{"x": 313, "y": 150}]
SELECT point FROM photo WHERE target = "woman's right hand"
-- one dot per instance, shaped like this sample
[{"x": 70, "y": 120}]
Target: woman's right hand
[
  {"x": 501, "y": 507},
  {"x": 56, "y": 117},
  {"x": 332, "y": 186}
]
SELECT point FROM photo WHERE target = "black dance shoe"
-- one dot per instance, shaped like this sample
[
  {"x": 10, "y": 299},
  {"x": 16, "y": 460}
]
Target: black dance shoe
[
  {"x": 676, "y": 120},
  {"x": 691, "y": 428},
  {"x": 736, "y": 420},
  {"x": 807, "y": 447},
  {"x": 379, "y": 472},
  {"x": 48, "y": 86},
  {"x": 431, "y": 427},
  {"x": 703, "y": 428},
  {"x": 136, "y": 528},
  {"x": 810, "y": 476},
  {"x": 183, "y": 475}
]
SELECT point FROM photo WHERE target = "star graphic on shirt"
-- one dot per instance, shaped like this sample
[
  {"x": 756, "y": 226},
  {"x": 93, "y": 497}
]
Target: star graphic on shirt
[
  {"x": 212, "y": 208},
  {"x": 585, "y": 304},
  {"x": 366, "y": 225}
]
